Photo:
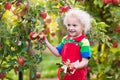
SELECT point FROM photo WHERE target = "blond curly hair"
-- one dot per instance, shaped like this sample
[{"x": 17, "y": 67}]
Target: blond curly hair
[{"x": 83, "y": 16}]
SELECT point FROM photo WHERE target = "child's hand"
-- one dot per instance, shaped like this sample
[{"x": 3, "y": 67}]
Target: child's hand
[
  {"x": 41, "y": 37},
  {"x": 68, "y": 67},
  {"x": 75, "y": 64},
  {"x": 65, "y": 68},
  {"x": 71, "y": 70}
]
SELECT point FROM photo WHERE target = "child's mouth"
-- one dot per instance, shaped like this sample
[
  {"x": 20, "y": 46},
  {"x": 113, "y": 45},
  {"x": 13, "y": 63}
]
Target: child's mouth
[{"x": 71, "y": 32}]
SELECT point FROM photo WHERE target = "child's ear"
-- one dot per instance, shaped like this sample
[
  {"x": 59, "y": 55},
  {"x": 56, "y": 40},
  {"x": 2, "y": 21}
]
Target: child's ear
[{"x": 83, "y": 28}]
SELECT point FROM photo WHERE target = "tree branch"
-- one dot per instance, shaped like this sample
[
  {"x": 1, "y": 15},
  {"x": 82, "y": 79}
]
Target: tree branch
[
  {"x": 2, "y": 61},
  {"x": 75, "y": 3},
  {"x": 2, "y": 14},
  {"x": 67, "y": 3}
]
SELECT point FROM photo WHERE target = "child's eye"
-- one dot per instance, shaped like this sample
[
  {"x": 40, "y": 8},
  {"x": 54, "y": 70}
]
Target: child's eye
[
  {"x": 74, "y": 25},
  {"x": 68, "y": 24}
]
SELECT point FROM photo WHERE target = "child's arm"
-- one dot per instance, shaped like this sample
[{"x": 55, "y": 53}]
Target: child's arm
[
  {"x": 85, "y": 53},
  {"x": 52, "y": 48},
  {"x": 81, "y": 64}
]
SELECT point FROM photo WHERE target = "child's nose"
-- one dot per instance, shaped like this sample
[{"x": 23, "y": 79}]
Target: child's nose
[{"x": 71, "y": 27}]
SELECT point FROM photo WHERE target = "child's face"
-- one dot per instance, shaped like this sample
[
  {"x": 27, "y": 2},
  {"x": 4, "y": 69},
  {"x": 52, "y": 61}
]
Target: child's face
[{"x": 74, "y": 27}]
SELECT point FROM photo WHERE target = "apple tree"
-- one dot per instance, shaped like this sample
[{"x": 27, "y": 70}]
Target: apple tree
[{"x": 23, "y": 23}]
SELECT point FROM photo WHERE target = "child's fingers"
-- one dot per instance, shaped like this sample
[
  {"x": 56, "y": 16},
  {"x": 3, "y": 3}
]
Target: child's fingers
[{"x": 41, "y": 37}]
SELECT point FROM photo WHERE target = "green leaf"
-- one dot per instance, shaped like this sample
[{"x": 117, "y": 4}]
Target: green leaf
[
  {"x": 38, "y": 58},
  {"x": 32, "y": 71},
  {"x": 62, "y": 75},
  {"x": 11, "y": 62},
  {"x": 37, "y": 47},
  {"x": 29, "y": 63},
  {"x": 59, "y": 64},
  {"x": 5, "y": 70},
  {"x": 24, "y": 50},
  {"x": 107, "y": 69}
]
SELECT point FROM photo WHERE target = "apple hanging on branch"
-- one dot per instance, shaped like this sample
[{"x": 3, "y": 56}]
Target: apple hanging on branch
[
  {"x": 2, "y": 75},
  {"x": 115, "y": 1},
  {"x": 53, "y": 33},
  {"x": 118, "y": 29},
  {"x": 16, "y": 68},
  {"x": 8, "y": 6},
  {"x": 115, "y": 44},
  {"x": 17, "y": 3},
  {"x": 38, "y": 75},
  {"x": 43, "y": 15},
  {"x": 33, "y": 35},
  {"x": 46, "y": 30},
  {"x": 48, "y": 20},
  {"x": 21, "y": 61},
  {"x": 107, "y": 1},
  {"x": 64, "y": 9}
]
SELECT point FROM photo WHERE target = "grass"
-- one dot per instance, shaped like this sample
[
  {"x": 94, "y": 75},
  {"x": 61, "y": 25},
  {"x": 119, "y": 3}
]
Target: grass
[{"x": 48, "y": 67}]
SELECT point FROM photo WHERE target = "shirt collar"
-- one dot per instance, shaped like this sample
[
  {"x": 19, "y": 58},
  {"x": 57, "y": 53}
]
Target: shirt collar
[{"x": 77, "y": 39}]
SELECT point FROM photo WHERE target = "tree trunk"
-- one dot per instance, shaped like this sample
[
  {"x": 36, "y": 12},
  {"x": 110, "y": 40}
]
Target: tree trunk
[{"x": 20, "y": 75}]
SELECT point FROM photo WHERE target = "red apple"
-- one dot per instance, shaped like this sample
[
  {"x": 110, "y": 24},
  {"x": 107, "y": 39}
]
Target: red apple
[
  {"x": 115, "y": 1},
  {"x": 107, "y": 1},
  {"x": 118, "y": 29},
  {"x": 16, "y": 68},
  {"x": 2, "y": 76},
  {"x": 46, "y": 30},
  {"x": 43, "y": 15},
  {"x": 17, "y": 3},
  {"x": 115, "y": 44},
  {"x": 8, "y": 6},
  {"x": 33, "y": 35},
  {"x": 64, "y": 9},
  {"x": 21, "y": 61},
  {"x": 70, "y": 69},
  {"x": 48, "y": 20},
  {"x": 53, "y": 33},
  {"x": 89, "y": 69},
  {"x": 38, "y": 75},
  {"x": 61, "y": 9}
]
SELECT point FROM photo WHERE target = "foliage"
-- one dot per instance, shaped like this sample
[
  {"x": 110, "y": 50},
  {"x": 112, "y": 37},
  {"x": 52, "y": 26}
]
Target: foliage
[{"x": 21, "y": 17}]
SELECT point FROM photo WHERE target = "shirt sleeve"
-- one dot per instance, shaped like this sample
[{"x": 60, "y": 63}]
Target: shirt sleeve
[
  {"x": 85, "y": 49},
  {"x": 60, "y": 45}
]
